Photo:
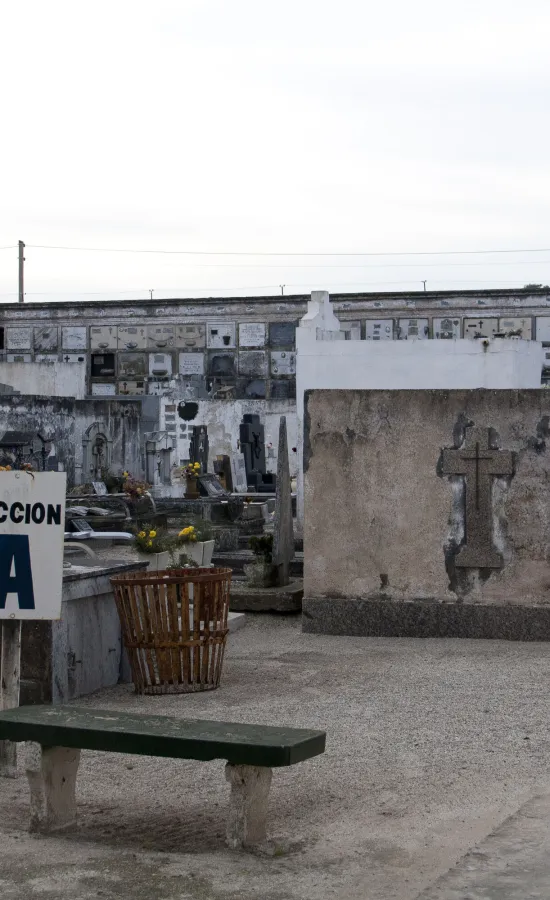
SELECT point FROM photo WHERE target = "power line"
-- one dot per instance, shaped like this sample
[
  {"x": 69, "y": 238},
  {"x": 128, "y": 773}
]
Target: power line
[
  {"x": 256, "y": 253},
  {"x": 13, "y": 247},
  {"x": 175, "y": 291}
]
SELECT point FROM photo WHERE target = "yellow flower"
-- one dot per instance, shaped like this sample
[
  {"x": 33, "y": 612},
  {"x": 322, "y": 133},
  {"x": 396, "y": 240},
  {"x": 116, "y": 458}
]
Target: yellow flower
[
  {"x": 125, "y": 474},
  {"x": 149, "y": 543},
  {"x": 142, "y": 534},
  {"x": 196, "y": 465},
  {"x": 152, "y": 534}
]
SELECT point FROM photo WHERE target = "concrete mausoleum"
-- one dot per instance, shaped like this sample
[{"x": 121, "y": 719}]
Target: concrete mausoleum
[{"x": 427, "y": 513}]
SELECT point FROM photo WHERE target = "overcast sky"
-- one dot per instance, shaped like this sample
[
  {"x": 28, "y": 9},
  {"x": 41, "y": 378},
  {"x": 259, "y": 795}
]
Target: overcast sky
[{"x": 302, "y": 126}]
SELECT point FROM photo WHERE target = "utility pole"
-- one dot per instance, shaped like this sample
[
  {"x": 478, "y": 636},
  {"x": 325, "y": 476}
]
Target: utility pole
[
  {"x": 424, "y": 283},
  {"x": 151, "y": 292},
  {"x": 282, "y": 286},
  {"x": 21, "y": 272}
]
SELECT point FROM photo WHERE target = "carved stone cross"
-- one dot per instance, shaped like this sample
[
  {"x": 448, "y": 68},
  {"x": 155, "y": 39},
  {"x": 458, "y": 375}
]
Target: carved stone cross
[{"x": 478, "y": 462}]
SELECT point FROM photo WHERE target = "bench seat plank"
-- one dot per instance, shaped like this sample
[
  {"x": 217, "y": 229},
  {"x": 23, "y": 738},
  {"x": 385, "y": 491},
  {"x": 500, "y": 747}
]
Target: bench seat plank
[{"x": 116, "y": 732}]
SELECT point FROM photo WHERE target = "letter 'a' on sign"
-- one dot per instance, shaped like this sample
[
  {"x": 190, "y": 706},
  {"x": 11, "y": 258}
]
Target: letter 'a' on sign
[
  {"x": 32, "y": 527},
  {"x": 16, "y": 570}
]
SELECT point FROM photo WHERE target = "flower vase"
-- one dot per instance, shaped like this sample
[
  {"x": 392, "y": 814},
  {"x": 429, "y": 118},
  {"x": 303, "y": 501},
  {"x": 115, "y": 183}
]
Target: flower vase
[
  {"x": 191, "y": 489},
  {"x": 199, "y": 551},
  {"x": 157, "y": 561}
]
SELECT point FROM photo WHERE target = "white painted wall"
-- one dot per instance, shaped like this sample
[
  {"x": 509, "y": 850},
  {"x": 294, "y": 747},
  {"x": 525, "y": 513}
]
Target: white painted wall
[
  {"x": 223, "y": 417},
  {"x": 46, "y": 379},
  {"x": 325, "y": 361}
]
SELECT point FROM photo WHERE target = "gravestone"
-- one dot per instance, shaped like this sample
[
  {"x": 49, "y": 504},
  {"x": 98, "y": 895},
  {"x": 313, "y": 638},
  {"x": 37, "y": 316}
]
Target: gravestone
[
  {"x": 252, "y": 441},
  {"x": 283, "y": 534},
  {"x": 222, "y": 468},
  {"x": 238, "y": 471},
  {"x": 210, "y": 486},
  {"x": 100, "y": 488},
  {"x": 198, "y": 447}
]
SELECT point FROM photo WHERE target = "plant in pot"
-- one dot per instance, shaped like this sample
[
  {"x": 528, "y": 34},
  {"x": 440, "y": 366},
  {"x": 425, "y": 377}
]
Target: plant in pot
[
  {"x": 261, "y": 572},
  {"x": 155, "y": 546},
  {"x": 191, "y": 473},
  {"x": 195, "y": 541}
]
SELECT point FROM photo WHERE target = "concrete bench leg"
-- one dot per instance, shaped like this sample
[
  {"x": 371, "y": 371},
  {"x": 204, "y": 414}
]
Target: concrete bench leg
[
  {"x": 246, "y": 822},
  {"x": 51, "y": 772}
]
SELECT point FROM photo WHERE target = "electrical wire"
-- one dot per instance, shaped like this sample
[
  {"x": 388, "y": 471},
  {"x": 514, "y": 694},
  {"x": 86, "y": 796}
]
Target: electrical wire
[{"x": 257, "y": 253}]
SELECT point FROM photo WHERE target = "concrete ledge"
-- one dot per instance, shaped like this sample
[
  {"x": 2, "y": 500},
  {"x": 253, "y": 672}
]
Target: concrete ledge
[
  {"x": 287, "y": 599},
  {"x": 424, "y": 619}
]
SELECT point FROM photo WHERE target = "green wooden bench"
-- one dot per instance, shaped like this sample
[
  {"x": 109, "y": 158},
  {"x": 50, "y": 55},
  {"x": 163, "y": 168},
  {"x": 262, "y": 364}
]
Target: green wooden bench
[{"x": 57, "y": 734}]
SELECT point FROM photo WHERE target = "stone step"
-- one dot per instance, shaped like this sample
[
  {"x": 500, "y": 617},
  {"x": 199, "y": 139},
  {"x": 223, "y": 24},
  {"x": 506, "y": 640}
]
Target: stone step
[{"x": 237, "y": 559}]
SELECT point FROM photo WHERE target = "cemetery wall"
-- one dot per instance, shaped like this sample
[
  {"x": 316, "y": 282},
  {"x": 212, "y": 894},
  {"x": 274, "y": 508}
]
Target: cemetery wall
[
  {"x": 385, "y": 525},
  {"x": 65, "y": 421}
]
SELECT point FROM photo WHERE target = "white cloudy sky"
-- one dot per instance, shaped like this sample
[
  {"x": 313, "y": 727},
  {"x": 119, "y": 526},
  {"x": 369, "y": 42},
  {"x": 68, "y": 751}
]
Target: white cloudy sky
[{"x": 302, "y": 126}]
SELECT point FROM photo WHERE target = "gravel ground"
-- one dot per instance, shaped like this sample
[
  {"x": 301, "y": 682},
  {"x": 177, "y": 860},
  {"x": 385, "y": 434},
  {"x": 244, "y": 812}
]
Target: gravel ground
[{"x": 431, "y": 744}]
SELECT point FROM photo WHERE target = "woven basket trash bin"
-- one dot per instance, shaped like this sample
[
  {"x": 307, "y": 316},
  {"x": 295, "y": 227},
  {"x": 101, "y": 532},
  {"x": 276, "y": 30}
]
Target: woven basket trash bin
[{"x": 174, "y": 627}]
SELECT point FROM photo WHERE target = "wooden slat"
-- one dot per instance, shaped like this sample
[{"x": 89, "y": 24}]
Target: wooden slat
[{"x": 109, "y": 730}]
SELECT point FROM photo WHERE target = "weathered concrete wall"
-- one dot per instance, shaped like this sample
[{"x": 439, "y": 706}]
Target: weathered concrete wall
[
  {"x": 65, "y": 422},
  {"x": 383, "y": 523},
  {"x": 46, "y": 379}
]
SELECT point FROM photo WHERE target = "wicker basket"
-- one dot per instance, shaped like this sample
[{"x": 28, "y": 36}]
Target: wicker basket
[{"x": 174, "y": 627}]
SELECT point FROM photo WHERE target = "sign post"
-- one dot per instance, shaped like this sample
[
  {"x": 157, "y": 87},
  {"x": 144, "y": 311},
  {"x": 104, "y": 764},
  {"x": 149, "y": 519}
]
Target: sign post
[{"x": 32, "y": 526}]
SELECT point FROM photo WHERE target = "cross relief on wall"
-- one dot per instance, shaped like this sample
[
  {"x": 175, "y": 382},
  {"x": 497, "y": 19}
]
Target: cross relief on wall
[{"x": 479, "y": 463}]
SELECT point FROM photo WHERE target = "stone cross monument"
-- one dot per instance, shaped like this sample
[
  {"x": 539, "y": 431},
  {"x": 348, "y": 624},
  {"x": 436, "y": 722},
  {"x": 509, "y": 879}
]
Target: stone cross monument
[{"x": 478, "y": 462}]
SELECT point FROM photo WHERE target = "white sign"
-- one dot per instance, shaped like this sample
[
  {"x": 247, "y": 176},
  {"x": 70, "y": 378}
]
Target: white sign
[
  {"x": 18, "y": 357},
  {"x": 251, "y": 334},
  {"x": 191, "y": 363},
  {"x": 32, "y": 525}
]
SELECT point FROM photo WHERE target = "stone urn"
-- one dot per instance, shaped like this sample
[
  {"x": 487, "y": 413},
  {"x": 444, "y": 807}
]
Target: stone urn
[
  {"x": 199, "y": 551},
  {"x": 191, "y": 488}
]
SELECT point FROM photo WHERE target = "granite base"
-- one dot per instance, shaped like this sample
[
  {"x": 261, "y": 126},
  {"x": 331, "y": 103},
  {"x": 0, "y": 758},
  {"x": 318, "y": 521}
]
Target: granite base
[
  {"x": 424, "y": 619},
  {"x": 287, "y": 599}
]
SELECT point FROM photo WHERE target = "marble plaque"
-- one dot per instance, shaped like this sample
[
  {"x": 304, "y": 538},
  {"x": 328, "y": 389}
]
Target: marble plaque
[
  {"x": 379, "y": 329},
  {"x": 447, "y": 328},
  {"x": 282, "y": 334},
  {"x": 283, "y": 363},
  {"x": 220, "y": 334},
  {"x": 408, "y": 329},
  {"x": 45, "y": 337},
  {"x": 103, "y": 390},
  {"x": 132, "y": 365},
  {"x": 191, "y": 336},
  {"x": 238, "y": 470},
  {"x": 132, "y": 337},
  {"x": 19, "y": 358},
  {"x": 160, "y": 336},
  {"x": 516, "y": 326},
  {"x": 282, "y": 390},
  {"x": 480, "y": 328},
  {"x": 103, "y": 337},
  {"x": 191, "y": 363},
  {"x": 18, "y": 339},
  {"x": 160, "y": 364},
  {"x": 543, "y": 329},
  {"x": 45, "y": 357},
  {"x": 251, "y": 334},
  {"x": 251, "y": 390},
  {"x": 74, "y": 337},
  {"x": 254, "y": 363}
]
